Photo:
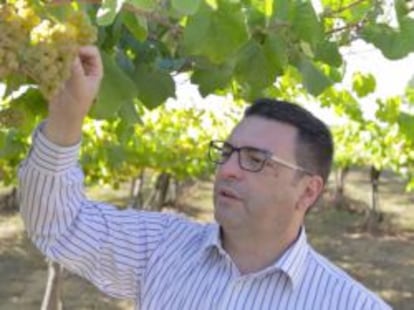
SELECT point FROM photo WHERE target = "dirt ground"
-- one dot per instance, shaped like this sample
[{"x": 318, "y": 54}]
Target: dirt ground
[{"x": 383, "y": 261}]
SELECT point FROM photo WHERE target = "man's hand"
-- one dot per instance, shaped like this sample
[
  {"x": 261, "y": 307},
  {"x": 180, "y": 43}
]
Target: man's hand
[{"x": 69, "y": 107}]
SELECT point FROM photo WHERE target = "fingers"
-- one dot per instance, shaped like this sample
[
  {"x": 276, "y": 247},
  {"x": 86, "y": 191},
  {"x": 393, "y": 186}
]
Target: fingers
[
  {"x": 77, "y": 68},
  {"x": 91, "y": 61}
]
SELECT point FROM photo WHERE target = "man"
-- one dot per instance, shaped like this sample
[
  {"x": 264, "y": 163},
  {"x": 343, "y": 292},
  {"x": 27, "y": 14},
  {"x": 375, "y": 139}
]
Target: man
[{"x": 270, "y": 171}]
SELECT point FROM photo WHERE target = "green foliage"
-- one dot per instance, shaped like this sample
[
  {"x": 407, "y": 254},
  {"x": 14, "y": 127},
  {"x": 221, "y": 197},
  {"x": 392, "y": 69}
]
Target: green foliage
[
  {"x": 237, "y": 46},
  {"x": 385, "y": 142},
  {"x": 394, "y": 43},
  {"x": 406, "y": 123},
  {"x": 388, "y": 110},
  {"x": 343, "y": 103},
  {"x": 143, "y": 4},
  {"x": 137, "y": 25},
  {"x": 154, "y": 86},
  {"x": 116, "y": 89},
  {"x": 212, "y": 78},
  {"x": 312, "y": 78},
  {"x": 328, "y": 52},
  {"x": 363, "y": 84},
  {"x": 186, "y": 7},
  {"x": 215, "y": 34},
  {"x": 252, "y": 67},
  {"x": 306, "y": 24}
]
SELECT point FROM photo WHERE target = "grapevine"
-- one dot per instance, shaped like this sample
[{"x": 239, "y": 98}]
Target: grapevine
[{"x": 39, "y": 45}]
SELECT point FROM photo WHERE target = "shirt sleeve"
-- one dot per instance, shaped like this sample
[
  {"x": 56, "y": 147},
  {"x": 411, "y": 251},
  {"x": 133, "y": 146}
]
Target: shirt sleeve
[{"x": 109, "y": 247}]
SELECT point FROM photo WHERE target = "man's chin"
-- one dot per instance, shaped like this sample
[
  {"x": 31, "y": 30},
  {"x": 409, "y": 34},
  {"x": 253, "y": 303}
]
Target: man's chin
[{"x": 226, "y": 214}]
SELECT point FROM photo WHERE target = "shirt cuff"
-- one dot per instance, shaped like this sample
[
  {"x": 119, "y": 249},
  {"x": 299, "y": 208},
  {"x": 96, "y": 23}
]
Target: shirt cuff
[{"x": 50, "y": 156}]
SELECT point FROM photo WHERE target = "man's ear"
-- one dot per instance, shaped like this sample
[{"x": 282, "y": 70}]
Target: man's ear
[{"x": 312, "y": 187}]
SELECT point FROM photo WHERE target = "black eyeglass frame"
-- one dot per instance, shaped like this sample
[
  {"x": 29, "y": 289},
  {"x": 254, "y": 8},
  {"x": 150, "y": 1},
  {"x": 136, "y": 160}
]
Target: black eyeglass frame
[{"x": 267, "y": 156}]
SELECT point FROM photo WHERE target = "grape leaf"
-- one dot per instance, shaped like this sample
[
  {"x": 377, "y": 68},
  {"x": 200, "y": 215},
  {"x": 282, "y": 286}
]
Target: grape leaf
[
  {"x": 328, "y": 52},
  {"x": 401, "y": 9},
  {"x": 136, "y": 24},
  {"x": 253, "y": 68},
  {"x": 363, "y": 84},
  {"x": 116, "y": 89},
  {"x": 215, "y": 34},
  {"x": 187, "y": 7},
  {"x": 406, "y": 123},
  {"x": 143, "y": 4},
  {"x": 154, "y": 86},
  {"x": 128, "y": 112},
  {"x": 312, "y": 78},
  {"x": 392, "y": 44},
  {"x": 282, "y": 9},
  {"x": 306, "y": 24},
  {"x": 212, "y": 78},
  {"x": 275, "y": 50},
  {"x": 13, "y": 145},
  {"x": 407, "y": 34}
]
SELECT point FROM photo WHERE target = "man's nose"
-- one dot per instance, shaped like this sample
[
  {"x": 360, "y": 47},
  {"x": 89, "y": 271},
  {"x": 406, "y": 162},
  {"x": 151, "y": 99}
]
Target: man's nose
[{"x": 230, "y": 168}]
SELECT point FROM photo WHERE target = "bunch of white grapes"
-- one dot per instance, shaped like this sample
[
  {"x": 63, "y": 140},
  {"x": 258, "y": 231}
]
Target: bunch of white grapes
[{"x": 39, "y": 46}]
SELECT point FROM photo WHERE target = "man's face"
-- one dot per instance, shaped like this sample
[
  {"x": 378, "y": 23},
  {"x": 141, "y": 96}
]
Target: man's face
[{"x": 264, "y": 200}]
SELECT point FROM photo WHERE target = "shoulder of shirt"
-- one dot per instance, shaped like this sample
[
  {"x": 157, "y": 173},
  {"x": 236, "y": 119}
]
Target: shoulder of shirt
[
  {"x": 183, "y": 222},
  {"x": 342, "y": 277}
]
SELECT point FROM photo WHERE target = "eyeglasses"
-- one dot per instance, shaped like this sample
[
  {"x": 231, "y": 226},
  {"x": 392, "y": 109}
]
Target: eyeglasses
[{"x": 250, "y": 158}]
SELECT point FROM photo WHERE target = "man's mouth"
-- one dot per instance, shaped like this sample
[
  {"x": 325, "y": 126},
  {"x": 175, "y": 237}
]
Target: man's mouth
[{"x": 229, "y": 193}]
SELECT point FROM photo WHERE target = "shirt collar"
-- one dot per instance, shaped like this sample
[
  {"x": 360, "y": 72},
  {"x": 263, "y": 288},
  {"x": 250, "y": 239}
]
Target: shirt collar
[
  {"x": 292, "y": 262},
  {"x": 212, "y": 237}
]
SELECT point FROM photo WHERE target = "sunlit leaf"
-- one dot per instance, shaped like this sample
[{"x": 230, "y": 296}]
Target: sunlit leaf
[{"x": 363, "y": 84}]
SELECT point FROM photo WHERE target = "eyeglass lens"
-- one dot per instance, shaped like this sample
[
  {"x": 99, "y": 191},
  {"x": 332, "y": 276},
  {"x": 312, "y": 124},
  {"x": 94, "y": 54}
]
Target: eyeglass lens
[{"x": 249, "y": 158}]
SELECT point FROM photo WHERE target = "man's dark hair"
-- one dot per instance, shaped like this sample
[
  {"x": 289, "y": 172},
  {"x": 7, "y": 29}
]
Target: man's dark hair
[{"x": 314, "y": 149}]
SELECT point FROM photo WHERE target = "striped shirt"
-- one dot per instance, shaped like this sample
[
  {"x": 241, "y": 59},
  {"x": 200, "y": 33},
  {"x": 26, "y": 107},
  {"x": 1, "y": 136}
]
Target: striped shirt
[{"x": 164, "y": 261}]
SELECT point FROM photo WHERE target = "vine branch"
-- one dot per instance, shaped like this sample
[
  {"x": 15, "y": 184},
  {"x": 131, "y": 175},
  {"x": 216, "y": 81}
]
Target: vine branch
[
  {"x": 356, "y": 25},
  {"x": 347, "y": 7}
]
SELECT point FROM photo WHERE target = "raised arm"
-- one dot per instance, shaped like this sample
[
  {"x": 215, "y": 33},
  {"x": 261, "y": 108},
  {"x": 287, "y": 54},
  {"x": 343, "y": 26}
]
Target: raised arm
[{"x": 109, "y": 247}]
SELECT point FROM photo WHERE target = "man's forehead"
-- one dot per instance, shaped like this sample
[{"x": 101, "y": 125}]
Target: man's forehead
[
  {"x": 257, "y": 131},
  {"x": 251, "y": 126}
]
